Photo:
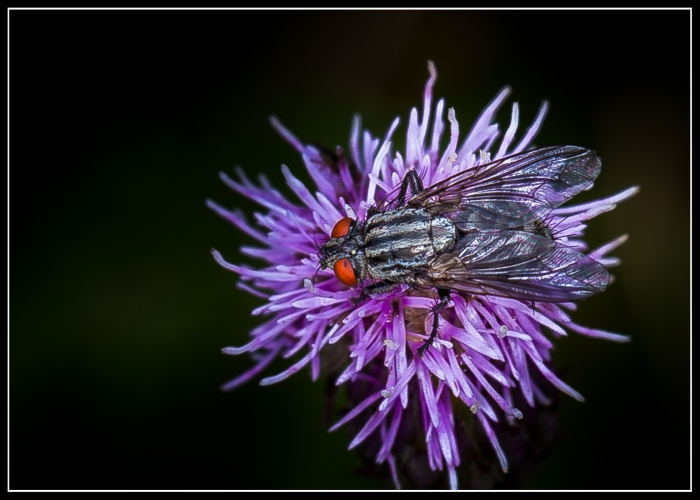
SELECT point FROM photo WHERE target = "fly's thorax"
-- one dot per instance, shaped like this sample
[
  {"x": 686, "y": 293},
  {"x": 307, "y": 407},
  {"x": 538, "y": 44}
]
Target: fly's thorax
[{"x": 401, "y": 243}]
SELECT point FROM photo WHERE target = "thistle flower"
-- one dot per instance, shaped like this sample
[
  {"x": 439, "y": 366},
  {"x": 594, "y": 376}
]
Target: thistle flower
[{"x": 488, "y": 348}]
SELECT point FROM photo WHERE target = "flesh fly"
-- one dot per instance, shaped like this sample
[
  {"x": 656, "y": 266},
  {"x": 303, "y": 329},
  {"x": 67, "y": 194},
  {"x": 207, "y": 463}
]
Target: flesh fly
[{"x": 482, "y": 231}]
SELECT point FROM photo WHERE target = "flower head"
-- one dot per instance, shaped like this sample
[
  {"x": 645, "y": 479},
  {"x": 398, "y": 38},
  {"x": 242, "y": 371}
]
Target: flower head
[{"x": 407, "y": 350}]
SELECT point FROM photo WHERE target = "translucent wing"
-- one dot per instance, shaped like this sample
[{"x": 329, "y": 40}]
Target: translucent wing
[
  {"x": 519, "y": 265},
  {"x": 512, "y": 191}
]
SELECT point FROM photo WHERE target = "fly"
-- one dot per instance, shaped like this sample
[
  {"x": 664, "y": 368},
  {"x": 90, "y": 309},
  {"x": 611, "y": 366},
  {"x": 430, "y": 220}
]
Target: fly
[{"x": 482, "y": 231}]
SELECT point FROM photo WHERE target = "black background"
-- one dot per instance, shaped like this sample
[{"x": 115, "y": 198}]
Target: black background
[{"x": 119, "y": 124}]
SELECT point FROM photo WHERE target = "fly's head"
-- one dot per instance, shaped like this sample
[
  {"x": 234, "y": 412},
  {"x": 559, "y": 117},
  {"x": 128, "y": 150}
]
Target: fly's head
[{"x": 344, "y": 252}]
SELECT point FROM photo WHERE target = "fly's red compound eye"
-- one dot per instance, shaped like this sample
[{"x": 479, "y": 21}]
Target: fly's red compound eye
[
  {"x": 341, "y": 228},
  {"x": 343, "y": 270}
]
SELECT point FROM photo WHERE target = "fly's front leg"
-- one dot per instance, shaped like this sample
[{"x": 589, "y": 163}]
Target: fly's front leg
[
  {"x": 384, "y": 289},
  {"x": 380, "y": 291},
  {"x": 444, "y": 299},
  {"x": 410, "y": 179}
]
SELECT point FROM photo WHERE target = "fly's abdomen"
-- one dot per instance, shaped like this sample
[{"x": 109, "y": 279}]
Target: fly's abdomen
[{"x": 401, "y": 243}]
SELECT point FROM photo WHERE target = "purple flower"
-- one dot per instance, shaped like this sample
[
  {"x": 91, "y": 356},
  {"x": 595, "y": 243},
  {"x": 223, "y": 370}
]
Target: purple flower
[{"x": 488, "y": 348}]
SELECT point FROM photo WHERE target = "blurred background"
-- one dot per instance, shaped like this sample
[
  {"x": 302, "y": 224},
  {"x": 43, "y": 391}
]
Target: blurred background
[{"x": 120, "y": 122}]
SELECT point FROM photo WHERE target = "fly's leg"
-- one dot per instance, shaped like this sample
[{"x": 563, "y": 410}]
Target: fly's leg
[
  {"x": 444, "y": 299},
  {"x": 384, "y": 289},
  {"x": 379, "y": 291},
  {"x": 410, "y": 179}
]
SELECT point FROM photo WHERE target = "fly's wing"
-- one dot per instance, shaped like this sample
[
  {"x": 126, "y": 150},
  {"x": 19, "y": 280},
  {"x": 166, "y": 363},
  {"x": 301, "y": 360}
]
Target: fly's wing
[
  {"x": 519, "y": 265},
  {"x": 514, "y": 190}
]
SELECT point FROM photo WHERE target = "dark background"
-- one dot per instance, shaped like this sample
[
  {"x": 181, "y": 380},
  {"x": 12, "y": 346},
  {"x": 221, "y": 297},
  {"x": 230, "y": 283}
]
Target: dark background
[{"x": 119, "y": 124}]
